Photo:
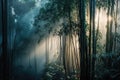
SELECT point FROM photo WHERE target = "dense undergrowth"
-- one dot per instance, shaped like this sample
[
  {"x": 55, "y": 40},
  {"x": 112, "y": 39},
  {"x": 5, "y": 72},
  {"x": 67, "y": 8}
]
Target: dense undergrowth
[{"x": 103, "y": 71}]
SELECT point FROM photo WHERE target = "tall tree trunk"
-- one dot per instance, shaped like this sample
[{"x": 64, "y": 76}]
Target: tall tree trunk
[
  {"x": 109, "y": 35},
  {"x": 98, "y": 25},
  {"x": 64, "y": 53},
  {"x": 47, "y": 49},
  {"x": 5, "y": 56},
  {"x": 76, "y": 57},
  {"x": 12, "y": 56},
  {"x": 90, "y": 39},
  {"x": 82, "y": 41},
  {"x": 111, "y": 25},
  {"x": 108, "y": 29},
  {"x": 116, "y": 13},
  {"x": 61, "y": 53},
  {"x": 35, "y": 62},
  {"x": 94, "y": 40}
]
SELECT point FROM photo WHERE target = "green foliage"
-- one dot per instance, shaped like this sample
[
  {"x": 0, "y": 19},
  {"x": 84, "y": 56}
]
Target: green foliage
[
  {"x": 54, "y": 71},
  {"x": 104, "y": 3},
  {"x": 54, "y": 11},
  {"x": 105, "y": 72},
  {"x": 99, "y": 46}
]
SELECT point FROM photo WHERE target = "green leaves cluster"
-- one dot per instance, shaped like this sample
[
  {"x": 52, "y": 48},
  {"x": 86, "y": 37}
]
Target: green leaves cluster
[
  {"x": 104, "y": 3},
  {"x": 54, "y": 11},
  {"x": 102, "y": 71},
  {"x": 54, "y": 71}
]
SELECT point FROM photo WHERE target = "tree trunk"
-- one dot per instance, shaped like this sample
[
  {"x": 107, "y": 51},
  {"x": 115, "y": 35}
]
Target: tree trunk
[
  {"x": 35, "y": 62},
  {"x": 90, "y": 40},
  {"x": 64, "y": 53},
  {"x": 82, "y": 41},
  {"x": 116, "y": 13},
  {"x": 94, "y": 43},
  {"x": 108, "y": 29},
  {"x": 111, "y": 25},
  {"x": 47, "y": 49},
  {"x": 5, "y": 56}
]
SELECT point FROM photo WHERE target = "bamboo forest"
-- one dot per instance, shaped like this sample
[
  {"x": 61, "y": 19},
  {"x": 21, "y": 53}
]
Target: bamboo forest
[{"x": 59, "y": 40}]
